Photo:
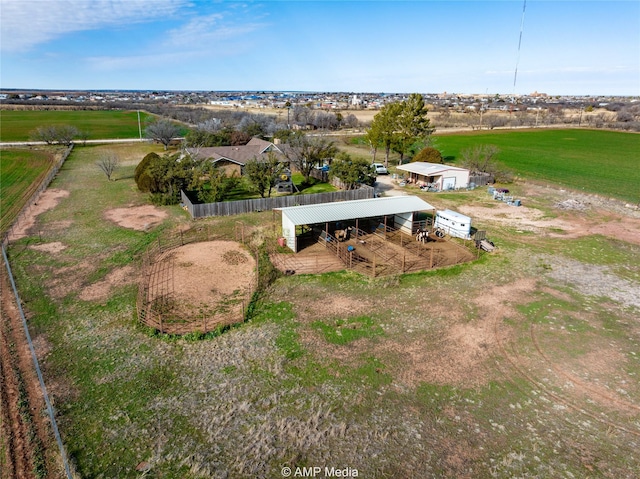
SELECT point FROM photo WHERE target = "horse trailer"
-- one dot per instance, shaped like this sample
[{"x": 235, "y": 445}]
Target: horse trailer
[{"x": 453, "y": 223}]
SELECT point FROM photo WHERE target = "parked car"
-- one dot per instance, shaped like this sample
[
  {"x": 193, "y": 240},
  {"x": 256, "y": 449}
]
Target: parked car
[{"x": 379, "y": 168}]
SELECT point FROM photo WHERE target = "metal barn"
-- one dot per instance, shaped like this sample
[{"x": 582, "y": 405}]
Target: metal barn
[{"x": 399, "y": 211}]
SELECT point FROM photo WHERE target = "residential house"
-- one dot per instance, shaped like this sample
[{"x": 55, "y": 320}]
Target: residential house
[{"x": 232, "y": 159}]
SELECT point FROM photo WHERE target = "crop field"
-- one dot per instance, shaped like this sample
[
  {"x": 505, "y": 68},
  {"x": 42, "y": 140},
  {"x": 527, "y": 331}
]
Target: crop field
[
  {"x": 524, "y": 363},
  {"x": 17, "y": 125},
  {"x": 20, "y": 171},
  {"x": 602, "y": 162}
]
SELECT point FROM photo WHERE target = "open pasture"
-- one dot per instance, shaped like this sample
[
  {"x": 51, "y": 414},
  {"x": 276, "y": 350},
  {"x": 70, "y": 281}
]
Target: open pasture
[
  {"x": 606, "y": 163},
  {"x": 17, "y": 125},
  {"x": 521, "y": 364}
]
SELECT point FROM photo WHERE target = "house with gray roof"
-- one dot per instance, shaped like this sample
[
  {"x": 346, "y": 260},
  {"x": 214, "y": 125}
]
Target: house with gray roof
[{"x": 233, "y": 158}]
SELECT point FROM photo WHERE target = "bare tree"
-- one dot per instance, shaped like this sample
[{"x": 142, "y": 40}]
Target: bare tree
[
  {"x": 108, "y": 163},
  {"x": 163, "y": 131},
  {"x": 305, "y": 152},
  {"x": 62, "y": 134}
]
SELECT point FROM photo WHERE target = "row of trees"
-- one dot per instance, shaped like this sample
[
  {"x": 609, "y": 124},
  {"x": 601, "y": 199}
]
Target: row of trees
[{"x": 402, "y": 127}]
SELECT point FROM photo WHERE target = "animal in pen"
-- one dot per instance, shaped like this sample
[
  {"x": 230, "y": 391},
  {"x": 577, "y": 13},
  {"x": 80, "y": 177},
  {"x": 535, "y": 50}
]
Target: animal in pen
[
  {"x": 422, "y": 236},
  {"x": 343, "y": 235}
]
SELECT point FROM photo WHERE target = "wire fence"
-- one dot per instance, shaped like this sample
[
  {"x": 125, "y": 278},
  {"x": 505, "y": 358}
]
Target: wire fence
[
  {"x": 43, "y": 387},
  {"x": 31, "y": 195}
]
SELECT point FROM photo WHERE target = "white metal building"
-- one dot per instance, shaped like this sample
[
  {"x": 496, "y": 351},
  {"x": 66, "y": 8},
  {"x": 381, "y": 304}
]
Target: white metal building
[
  {"x": 443, "y": 177},
  {"x": 401, "y": 209}
]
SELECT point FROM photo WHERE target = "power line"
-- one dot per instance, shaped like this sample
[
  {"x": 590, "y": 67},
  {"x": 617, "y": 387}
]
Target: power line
[{"x": 515, "y": 75}]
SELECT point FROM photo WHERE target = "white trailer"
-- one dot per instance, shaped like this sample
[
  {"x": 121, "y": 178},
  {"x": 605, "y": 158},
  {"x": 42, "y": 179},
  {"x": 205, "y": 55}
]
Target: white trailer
[{"x": 453, "y": 223}]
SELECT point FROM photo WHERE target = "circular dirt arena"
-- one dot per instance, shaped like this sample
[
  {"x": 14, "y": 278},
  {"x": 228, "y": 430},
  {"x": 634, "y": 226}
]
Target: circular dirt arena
[{"x": 200, "y": 287}]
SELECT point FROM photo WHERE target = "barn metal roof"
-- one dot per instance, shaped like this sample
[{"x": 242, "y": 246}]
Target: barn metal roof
[
  {"x": 346, "y": 210},
  {"x": 428, "y": 169}
]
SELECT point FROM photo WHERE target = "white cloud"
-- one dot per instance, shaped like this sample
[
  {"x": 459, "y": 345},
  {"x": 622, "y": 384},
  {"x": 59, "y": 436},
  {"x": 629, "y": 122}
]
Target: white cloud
[
  {"x": 205, "y": 30},
  {"x": 27, "y": 23}
]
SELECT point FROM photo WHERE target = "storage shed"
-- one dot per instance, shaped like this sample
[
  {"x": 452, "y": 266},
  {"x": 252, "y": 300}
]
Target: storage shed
[
  {"x": 440, "y": 177},
  {"x": 400, "y": 210},
  {"x": 454, "y": 223}
]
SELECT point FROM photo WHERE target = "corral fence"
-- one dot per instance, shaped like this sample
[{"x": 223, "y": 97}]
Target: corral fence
[
  {"x": 157, "y": 305},
  {"x": 230, "y": 208},
  {"x": 32, "y": 194},
  {"x": 383, "y": 252}
]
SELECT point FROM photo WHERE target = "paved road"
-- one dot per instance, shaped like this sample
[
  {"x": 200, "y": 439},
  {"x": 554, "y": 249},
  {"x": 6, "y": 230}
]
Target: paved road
[{"x": 79, "y": 142}]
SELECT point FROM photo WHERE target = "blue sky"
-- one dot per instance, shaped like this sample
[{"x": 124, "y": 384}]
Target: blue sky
[{"x": 568, "y": 47}]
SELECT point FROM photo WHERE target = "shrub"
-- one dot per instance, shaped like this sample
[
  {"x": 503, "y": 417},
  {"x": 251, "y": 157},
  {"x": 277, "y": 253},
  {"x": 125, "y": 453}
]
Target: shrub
[
  {"x": 428, "y": 155},
  {"x": 141, "y": 175}
]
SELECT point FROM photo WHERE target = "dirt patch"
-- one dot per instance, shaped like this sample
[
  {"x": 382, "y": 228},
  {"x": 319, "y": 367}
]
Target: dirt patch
[
  {"x": 68, "y": 279},
  {"x": 45, "y": 202},
  {"x": 593, "y": 280},
  {"x": 576, "y": 218},
  {"x": 139, "y": 218},
  {"x": 337, "y": 307},
  {"x": 25, "y": 438},
  {"x": 54, "y": 247},
  {"x": 100, "y": 290},
  {"x": 206, "y": 272},
  {"x": 459, "y": 354},
  {"x": 200, "y": 286}
]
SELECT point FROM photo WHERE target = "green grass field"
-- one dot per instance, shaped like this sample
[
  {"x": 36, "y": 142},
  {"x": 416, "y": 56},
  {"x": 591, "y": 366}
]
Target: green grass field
[
  {"x": 17, "y": 125},
  {"x": 20, "y": 171},
  {"x": 601, "y": 162}
]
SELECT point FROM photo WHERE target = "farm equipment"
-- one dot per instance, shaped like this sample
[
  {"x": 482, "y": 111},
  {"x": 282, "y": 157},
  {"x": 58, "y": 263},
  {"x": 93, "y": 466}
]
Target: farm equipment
[{"x": 483, "y": 243}]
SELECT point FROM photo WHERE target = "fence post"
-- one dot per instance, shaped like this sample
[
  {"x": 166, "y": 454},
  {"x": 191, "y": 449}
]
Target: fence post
[{"x": 431, "y": 260}]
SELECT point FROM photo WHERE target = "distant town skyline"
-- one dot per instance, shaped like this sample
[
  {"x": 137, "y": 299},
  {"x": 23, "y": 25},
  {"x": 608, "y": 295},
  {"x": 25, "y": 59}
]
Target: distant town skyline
[{"x": 566, "y": 47}]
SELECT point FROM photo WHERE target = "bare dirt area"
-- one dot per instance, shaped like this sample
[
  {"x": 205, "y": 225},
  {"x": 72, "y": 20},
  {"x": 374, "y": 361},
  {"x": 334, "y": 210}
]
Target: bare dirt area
[
  {"x": 210, "y": 283},
  {"x": 25, "y": 444},
  {"x": 47, "y": 201},
  {"x": 139, "y": 218},
  {"x": 207, "y": 272},
  {"x": 575, "y": 216},
  {"x": 53, "y": 247},
  {"x": 100, "y": 290}
]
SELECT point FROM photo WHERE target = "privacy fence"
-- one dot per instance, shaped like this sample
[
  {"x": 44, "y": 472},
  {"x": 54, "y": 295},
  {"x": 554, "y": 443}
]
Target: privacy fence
[{"x": 229, "y": 208}]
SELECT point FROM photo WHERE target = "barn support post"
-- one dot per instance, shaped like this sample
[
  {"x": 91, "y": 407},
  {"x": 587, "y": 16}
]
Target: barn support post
[
  {"x": 204, "y": 322},
  {"x": 326, "y": 234},
  {"x": 357, "y": 228},
  {"x": 404, "y": 258}
]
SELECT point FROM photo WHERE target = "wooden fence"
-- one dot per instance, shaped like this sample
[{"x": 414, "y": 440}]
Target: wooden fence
[
  {"x": 481, "y": 180},
  {"x": 230, "y": 208}
]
